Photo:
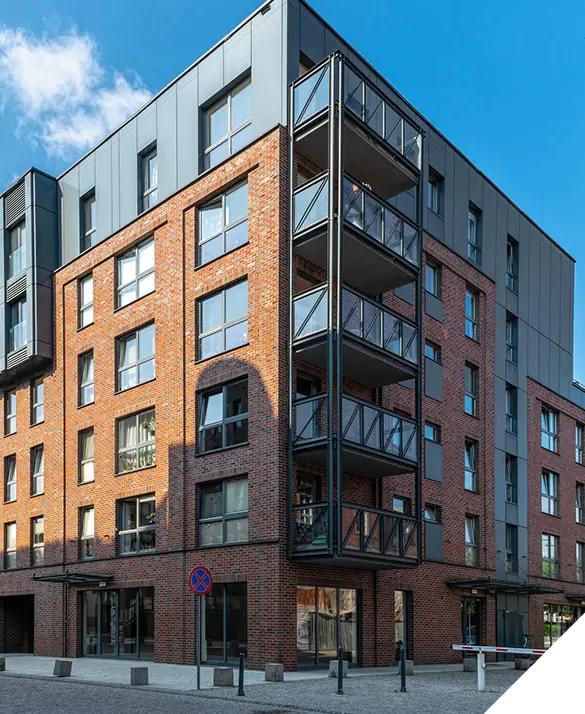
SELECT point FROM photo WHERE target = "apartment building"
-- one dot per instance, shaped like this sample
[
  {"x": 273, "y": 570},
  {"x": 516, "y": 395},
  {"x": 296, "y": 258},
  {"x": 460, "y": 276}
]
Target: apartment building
[{"x": 278, "y": 325}]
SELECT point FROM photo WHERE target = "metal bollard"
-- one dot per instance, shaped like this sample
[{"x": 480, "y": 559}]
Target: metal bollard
[
  {"x": 241, "y": 676},
  {"x": 402, "y": 669},
  {"x": 340, "y": 670},
  {"x": 480, "y": 672}
]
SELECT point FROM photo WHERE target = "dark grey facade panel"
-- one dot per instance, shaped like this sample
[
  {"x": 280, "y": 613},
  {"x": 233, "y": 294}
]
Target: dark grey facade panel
[
  {"x": 555, "y": 367},
  {"x": 146, "y": 126},
  {"x": 237, "y": 57},
  {"x": 544, "y": 285},
  {"x": 499, "y": 485},
  {"x": 435, "y": 225},
  {"x": 567, "y": 304},
  {"x": 114, "y": 145},
  {"x": 460, "y": 205},
  {"x": 166, "y": 118},
  {"x": 512, "y": 300},
  {"x": 524, "y": 275},
  {"x": 188, "y": 130},
  {"x": 449, "y": 196},
  {"x": 103, "y": 179},
  {"x": 533, "y": 353},
  {"x": 434, "y": 541},
  {"x": 501, "y": 239},
  {"x": 406, "y": 293},
  {"x": 555, "y": 294},
  {"x": 433, "y": 379},
  {"x": 543, "y": 359},
  {"x": 128, "y": 195},
  {"x": 268, "y": 61},
  {"x": 434, "y": 461},
  {"x": 433, "y": 307},
  {"x": 534, "y": 279}
]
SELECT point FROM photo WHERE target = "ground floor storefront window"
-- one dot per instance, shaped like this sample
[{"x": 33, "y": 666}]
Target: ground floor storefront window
[
  {"x": 557, "y": 620},
  {"x": 401, "y": 624},
  {"x": 225, "y": 623},
  {"x": 326, "y": 617},
  {"x": 118, "y": 623},
  {"x": 471, "y": 612}
]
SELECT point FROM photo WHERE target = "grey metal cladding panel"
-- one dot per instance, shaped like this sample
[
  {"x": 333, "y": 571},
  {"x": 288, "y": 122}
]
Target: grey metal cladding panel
[
  {"x": 70, "y": 214},
  {"x": 433, "y": 461},
  {"x": 104, "y": 191},
  {"x": 523, "y": 348},
  {"x": 577, "y": 395},
  {"x": 87, "y": 174},
  {"x": 449, "y": 195},
  {"x": 534, "y": 278},
  {"x": 460, "y": 206},
  {"x": 513, "y": 219},
  {"x": 406, "y": 203},
  {"x": 267, "y": 67},
  {"x": 488, "y": 229},
  {"x": 433, "y": 307},
  {"x": 433, "y": 379},
  {"x": 435, "y": 225},
  {"x": 511, "y": 513},
  {"x": 211, "y": 75},
  {"x": 522, "y": 470},
  {"x": 43, "y": 301},
  {"x": 566, "y": 308},
  {"x": 500, "y": 544},
  {"x": 511, "y": 373},
  {"x": 500, "y": 343},
  {"x": 46, "y": 238},
  {"x": 333, "y": 43},
  {"x": 533, "y": 353},
  {"x": 522, "y": 423},
  {"x": 167, "y": 143},
  {"x": 500, "y": 413},
  {"x": 237, "y": 54},
  {"x": 128, "y": 175},
  {"x": 511, "y": 301},
  {"x": 312, "y": 35},
  {"x": 293, "y": 41},
  {"x": 406, "y": 293},
  {"x": 555, "y": 294},
  {"x": 436, "y": 152},
  {"x": 499, "y": 484},
  {"x": 543, "y": 359},
  {"x": 566, "y": 386},
  {"x": 115, "y": 174},
  {"x": 501, "y": 241},
  {"x": 476, "y": 188},
  {"x": 554, "y": 379},
  {"x": 45, "y": 192},
  {"x": 146, "y": 124},
  {"x": 524, "y": 275},
  {"x": 545, "y": 258},
  {"x": 523, "y": 551},
  {"x": 434, "y": 541},
  {"x": 187, "y": 129}
]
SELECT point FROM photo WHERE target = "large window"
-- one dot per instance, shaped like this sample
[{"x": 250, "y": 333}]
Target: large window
[
  {"x": 511, "y": 408},
  {"x": 37, "y": 540},
  {"x": 550, "y": 556},
  {"x": 579, "y": 443},
  {"x": 433, "y": 279},
  {"x": 474, "y": 234},
  {"x": 9, "y": 545},
  {"x": 223, "y": 224},
  {"x": 149, "y": 179},
  {"x": 470, "y": 401},
  {"x": 223, "y": 320},
  {"x": 512, "y": 264},
  {"x": 17, "y": 337},
  {"x": 580, "y": 503},
  {"x": 37, "y": 402},
  {"x": 37, "y": 479},
  {"x": 86, "y": 458},
  {"x": 9, "y": 413},
  {"x": 579, "y": 562},
  {"x": 471, "y": 540},
  {"x": 549, "y": 492},
  {"x": 86, "y": 532},
  {"x": 86, "y": 379},
  {"x": 549, "y": 429},
  {"x": 17, "y": 250},
  {"x": 226, "y": 622},
  {"x": 136, "y": 524},
  {"x": 136, "y": 441},
  {"x": 86, "y": 301},
  {"x": 511, "y": 338},
  {"x": 10, "y": 478},
  {"x": 470, "y": 466},
  {"x": 88, "y": 221},
  {"x": 228, "y": 125},
  {"x": 136, "y": 357},
  {"x": 557, "y": 620},
  {"x": 471, "y": 300},
  {"x": 511, "y": 549},
  {"x": 223, "y": 416},
  {"x": 223, "y": 512},
  {"x": 511, "y": 479},
  {"x": 136, "y": 272}
]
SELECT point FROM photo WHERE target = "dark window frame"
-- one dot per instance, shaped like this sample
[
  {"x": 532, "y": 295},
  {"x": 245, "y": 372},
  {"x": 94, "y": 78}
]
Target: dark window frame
[
  {"x": 435, "y": 351},
  {"x": 10, "y": 469},
  {"x": 549, "y": 431},
  {"x": 472, "y": 316},
  {"x": 474, "y": 242},
  {"x": 225, "y": 421},
  {"x": 148, "y": 192},
  {"x": 139, "y": 445},
  {"x": 472, "y": 397},
  {"x": 10, "y": 554},
  {"x": 151, "y": 527},
  {"x": 36, "y": 476},
  {"x": 86, "y": 543},
  {"x": 9, "y": 416},
  {"x": 511, "y": 548},
  {"x": 435, "y": 271},
  {"x": 81, "y": 461},
  {"x": 512, "y": 256},
  {"x": 225, "y": 516},
  {"x": 84, "y": 385},
  {"x": 512, "y": 338},
  {"x": 436, "y": 429},
  {"x": 225, "y": 325},
  {"x": 37, "y": 407},
  {"x": 84, "y": 308},
  {"x": 549, "y": 495},
  {"x": 471, "y": 460},
  {"x": 88, "y": 233},
  {"x": 472, "y": 546},
  {"x": 511, "y": 479},
  {"x": 511, "y": 405},
  {"x": 225, "y": 227},
  {"x": 37, "y": 548},
  {"x": 550, "y": 555},
  {"x": 232, "y": 131}
]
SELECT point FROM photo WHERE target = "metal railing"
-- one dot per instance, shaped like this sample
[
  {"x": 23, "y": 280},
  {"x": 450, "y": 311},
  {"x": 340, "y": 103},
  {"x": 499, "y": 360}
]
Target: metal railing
[
  {"x": 362, "y": 209},
  {"x": 310, "y": 527},
  {"x": 311, "y": 94},
  {"x": 377, "y": 325},
  {"x": 311, "y": 203},
  {"x": 371, "y": 530},
  {"x": 310, "y": 313},
  {"x": 309, "y": 419}
]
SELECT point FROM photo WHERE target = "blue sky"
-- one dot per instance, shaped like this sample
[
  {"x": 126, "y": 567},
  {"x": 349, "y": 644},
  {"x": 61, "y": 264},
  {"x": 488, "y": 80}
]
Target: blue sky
[{"x": 503, "y": 80}]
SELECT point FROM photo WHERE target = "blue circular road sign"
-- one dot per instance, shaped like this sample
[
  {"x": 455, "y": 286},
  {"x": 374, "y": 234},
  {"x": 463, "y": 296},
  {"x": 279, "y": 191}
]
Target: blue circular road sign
[{"x": 200, "y": 580}]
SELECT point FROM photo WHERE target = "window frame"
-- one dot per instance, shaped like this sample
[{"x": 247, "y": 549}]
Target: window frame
[
  {"x": 225, "y": 421},
  {"x": 550, "y": 432},
  {"x": 471, "y": 546},
  {"x": 9, "y": 416},
  {"x": 85, "y": 308},
  {"x": 435, "y": 271},
  {"x": 580, "y": 503},
  {"x": 20, "y": 230},
  {"x": 511, "y": 405},
  {"x": 580, "y": 561},
  {"x": 435, "y": 351},
  {"x": 37, "y": 549},
  {"x": 138, "y": 445},
  {"x": 10, "y": 553},
  {"x": 10, "y": 478},
  {"x": 550, "y": 555},
  {"x": 550, "y": 495},
  {"x": 471, "y": 397},
  {"x": 121, "y": 340},
  {"x": 435, "y": 192},
  {"x": 226, "y": 99},
  {"x": 474, "y": 235},
  {"x": 35, "y": 405},
  {"x": 225, "y": 227},
  {"x": 88, "y": 227},
  {"x": 511, "y": 549},
  {"x": 225, "y": 517},
  {"x": 579, "y": 438},
  {"x": 511, "y": 479},
  {"x": 21, "y": 305},
  {"x": 83, "y": 539},
  {"x": 82, "y": 434},
  {"x": 470, "y": 481},
  {"x": 37, "y": 476},
  {"x": 512, "y": 255},
  {"x": 224, "y": 326},
  {"x": 137, "y": 500},
  {"x": 134, "y": 252},
  {"x": 512, "y": 338},
  {"x": 472, "y": 317},
  {"x": 83, "y": 386},
  {"x": 432, "y": 513},
  {"x": 148, "y": 192},
  {"x": 436, "y": 430}
]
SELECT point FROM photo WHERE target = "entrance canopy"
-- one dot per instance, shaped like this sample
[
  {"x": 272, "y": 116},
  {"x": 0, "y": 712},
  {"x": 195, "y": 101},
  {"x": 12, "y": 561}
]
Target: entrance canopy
[
  {"x": 504, "y": 586},
  {"x": 74, "y": 578}
]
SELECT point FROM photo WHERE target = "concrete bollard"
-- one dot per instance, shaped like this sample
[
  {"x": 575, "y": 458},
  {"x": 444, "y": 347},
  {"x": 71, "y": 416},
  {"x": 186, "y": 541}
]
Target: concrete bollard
[
  {"x": 522, "y": 663},
  {"x": 480, "y": 672},
  {"x": 470, "y": 664},
  {"x": 223, "y": 677},
  {"x": 138, "y": 676},
  {"x": 62, "y": 668},
  {"x": 273, "y": 673},
  {"x": 2, "y": 664},
  {"x": 333, "y": 669}
]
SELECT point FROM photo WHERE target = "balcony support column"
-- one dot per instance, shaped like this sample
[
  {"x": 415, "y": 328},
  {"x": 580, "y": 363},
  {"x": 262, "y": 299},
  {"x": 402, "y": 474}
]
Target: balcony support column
[
  {"x": 291, "y": 185},
  {"x": 419, "y": 383}
]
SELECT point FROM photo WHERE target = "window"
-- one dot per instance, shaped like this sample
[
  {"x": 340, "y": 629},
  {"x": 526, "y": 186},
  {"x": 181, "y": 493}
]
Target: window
[
  {"x": 435, "y": 192},
  {"x": 223, "y": 512},
  {"x": 9, "y": 413},
  {"x": 88, "y": 216},
  {"x": 18, "y": 325},
  {"x": 512, "y": 265},
  {"x": 136, "y": 358},
  {"x": 10, "y": 479},
  {"x": 474, "y": 235},
  {"x": 549, "y": 492},
  {"x": 17, "y": 250},
  {"x": 511, "y": 408},
  {"x": 149, "y": 171},
  {"x": 86, "y": 459},
  {"x": 471, "y": 540},
  {"x": 9, "y": 545},
  {"x": 223, "y": 320},
  {"x": 579, "y": 494},
  {"x": 37, "y": 540},
  {"x": 37, "y": 459},
  {"x": 579, "y": 443},
  {"x": 470, "y": 466},
  {"x": 223, "y": 224},
  {"x": 432, "y": 513},
  {"x": 471, "y": 300},
  {"x": 223, "y": 417},
  {"x": 548, "y": 429},
  {"x": 511, "y": 549},
  {"x": 400, "y": 505},
  {"x": 136, "y": 440},
  {"x": 432, "y": 432},
  {"x": 86, "y": 379},
  {"x": 433, "y": 351},
  {"x": 433, "y": 279},
  {"x": 37, "y": 402},
  {"x": 511, "y": 479},
  {"x": 579, "y": 562},
  {"x": 511, "y": 338},
  {"x": 86, "y": 532},
  {"x": 470, "y": 389},
  {"x": 550, "y": 556},
  {"x": 136, "y": 273},
  {"x": 136, "y": 524},
  {"x": 228, "y": 125},
  {"x": 86, "y": 301}
]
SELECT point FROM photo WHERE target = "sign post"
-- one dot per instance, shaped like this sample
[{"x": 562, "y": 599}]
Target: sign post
[{"x": 200, "y": 582}]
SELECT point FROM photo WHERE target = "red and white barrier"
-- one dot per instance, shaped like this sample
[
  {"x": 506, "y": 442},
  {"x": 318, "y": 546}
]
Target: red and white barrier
[{"x": 481, "y": 652}]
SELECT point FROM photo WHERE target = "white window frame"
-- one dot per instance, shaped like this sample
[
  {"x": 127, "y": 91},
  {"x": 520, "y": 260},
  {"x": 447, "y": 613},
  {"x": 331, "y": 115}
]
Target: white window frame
[
  {"x": 135, "y": 366},
  {"x": 37, "y": 484},
  {"x": 37, "y": 546},
  {"x": 85, "y": 462},
  {"x": 139, "y": 277},
  {"x": 86, "y": 387},
  {"x": 10, "y": 479}
]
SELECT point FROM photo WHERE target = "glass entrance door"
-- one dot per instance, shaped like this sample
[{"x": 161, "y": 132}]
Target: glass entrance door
[
  {"x": 225, "y": 624},
  {"x": 471, "y": 621}
]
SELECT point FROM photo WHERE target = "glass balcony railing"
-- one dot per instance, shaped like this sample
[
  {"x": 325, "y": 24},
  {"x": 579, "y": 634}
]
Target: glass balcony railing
[
  {"x": 311, "y": 94},
  {"x": 378, "y": 532},
  {"x": 310, "y": 313},
  {"x": 311, "y": 203},
  {"x": 379, "y": 326},
  {"x": 310, "y": 527},
  {"x": 18, "y": 336},
  {"x": 379, "y": 221},
  {"x": 17, "y": 261},
  {"x": 375, "y": 428},
  {"x": 369, "y": 106},
  {"x": 309, "y": 419}
]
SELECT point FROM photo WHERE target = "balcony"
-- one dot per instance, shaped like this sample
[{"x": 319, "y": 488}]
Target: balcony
[
  {"x": 370, "y": 537},
  {"x": 375, "y": 441},
  {"x": 379, "y": 346},
  {"x": 380, "y": 246},
  {"x": 380, "y": 146}
]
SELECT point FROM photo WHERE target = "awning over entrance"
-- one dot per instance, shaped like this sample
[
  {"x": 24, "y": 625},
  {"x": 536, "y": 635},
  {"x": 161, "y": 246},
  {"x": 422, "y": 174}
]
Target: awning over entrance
[
  {"x": 74, "y": 578},
  {"x": 504, "y": 586},
  {"x": 576, "y": 598}
]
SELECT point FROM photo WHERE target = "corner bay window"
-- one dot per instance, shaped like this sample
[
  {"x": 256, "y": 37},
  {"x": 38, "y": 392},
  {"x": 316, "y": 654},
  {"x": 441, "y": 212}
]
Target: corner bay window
[
  {"x": 136, "y": 442},
  {"x": 223, "y": 419},
  {"x": 136, "y": 524},
  {"x": 223, "y": 224},
  {"x": 17, "y": 250},
  {"x": 228, "y": 125},
  {"x": 136, "y": 273},
  {"x": 223, "y": 320},
  {"x": 17, "y": 336},
  {"x": 223, "y": 514},
  {"x": 136, "y": 357}
]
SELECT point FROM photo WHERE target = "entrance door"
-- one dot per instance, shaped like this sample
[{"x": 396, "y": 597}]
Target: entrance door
[
  {"x": 471, "y": 621},
  {"x": 400, "y": 622},
  {"x": 226, "y": 623}
]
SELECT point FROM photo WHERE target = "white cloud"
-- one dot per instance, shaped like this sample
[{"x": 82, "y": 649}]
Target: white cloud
[{"x": 61, "y": 93}]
